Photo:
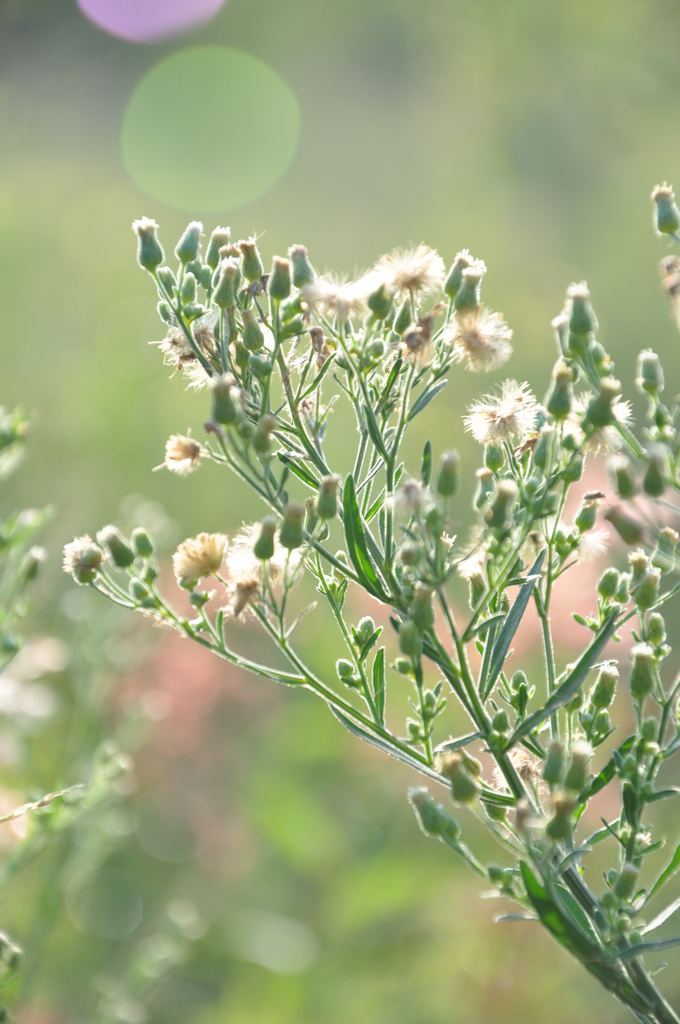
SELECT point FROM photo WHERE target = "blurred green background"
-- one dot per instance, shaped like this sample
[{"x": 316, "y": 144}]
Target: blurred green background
[{"x": 261, "y": 852}]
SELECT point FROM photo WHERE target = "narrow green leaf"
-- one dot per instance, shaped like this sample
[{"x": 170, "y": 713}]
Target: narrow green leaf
[
  {"x": 512, "y": 621},
  {"x": 300, "y": 471},
  {"x": 389, "y": 383},
  {"x": 646, "y": 947},
  {"x": 663, "y": 794},
  {"x": 386, "y": 747},
  {"x": 462, "y": 741},
  {"x": 667, "y": 873},
  {"x": 379, "y": 684},
  {"x": 426, "y": 466},
  {"x": 425, "y": 398},
  {"x": 662, "y": 917},
  {"x": 375, "y": 431},
  {"x": 484, "y": 626},
  {"x": 356, "y": 544},
  {"x": 608, "y": 772},
  {"x": 566, "y": 690}
]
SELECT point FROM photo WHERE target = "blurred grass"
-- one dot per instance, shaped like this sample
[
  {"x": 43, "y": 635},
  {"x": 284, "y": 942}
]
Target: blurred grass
[{"x": 529, "y": 132}]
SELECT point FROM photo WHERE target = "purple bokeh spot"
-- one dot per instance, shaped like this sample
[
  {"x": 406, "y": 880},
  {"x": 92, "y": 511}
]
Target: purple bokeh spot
[{"x": 149, "y": 21}]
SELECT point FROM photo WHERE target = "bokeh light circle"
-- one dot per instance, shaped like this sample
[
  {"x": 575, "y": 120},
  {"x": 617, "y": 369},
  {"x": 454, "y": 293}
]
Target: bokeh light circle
[
  {"x": 209, "y": 128},
  {"x": 149, "y": 21}
]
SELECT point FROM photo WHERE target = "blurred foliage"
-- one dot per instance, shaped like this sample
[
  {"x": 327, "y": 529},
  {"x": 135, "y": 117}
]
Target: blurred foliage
[{"x": 531, "y": 133}]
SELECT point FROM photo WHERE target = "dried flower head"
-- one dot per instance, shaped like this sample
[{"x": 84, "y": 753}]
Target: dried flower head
[
  {"x": 341, "y": 300},
  {"x": 199, "y": 556},
  {"x": 504, "y": 417},
  {"x": 182, "y": 454},
  {"x": 83, "y": 559},
  {"x": 605, "y": 440},
  {"x": 412, "y": 271},
  {"x": 244, "y": 571},
  {"x": 481, "y": 339}
]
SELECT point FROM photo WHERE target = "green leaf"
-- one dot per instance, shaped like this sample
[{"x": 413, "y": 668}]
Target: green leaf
[
  {"x": 426, "y": 467},
  {"x": 662, "y": 917},
  {"x": 386, "y": 746},
  {"x": 425, "y": 398},
  {"x": 514, "y": 617},
  {"x": 667, "y": 873},
  {"x": 389, "y": 384},
  {"x": 608, "y": 772},
  {"x": 647, "y": 947},
  {"x": 566, "y": 690},
  {"x": 379, "y": 684},
  {"x": 375, "y": 431},
  {"x": 356, "y": 544},
  {"x": 300, "y": 471},
  {"x": 462, "y": 741}
]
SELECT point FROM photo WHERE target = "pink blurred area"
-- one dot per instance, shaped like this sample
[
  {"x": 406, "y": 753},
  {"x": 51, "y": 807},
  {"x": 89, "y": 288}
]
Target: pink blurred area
[{"x": 149, "y": 21}]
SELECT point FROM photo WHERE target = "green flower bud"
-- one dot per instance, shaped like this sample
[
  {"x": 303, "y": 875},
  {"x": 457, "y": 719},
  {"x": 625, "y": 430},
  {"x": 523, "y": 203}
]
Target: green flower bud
[
  {"x": 573, "y": 471},
  {"x": 421, "y": 610},
  {"x": 188, "y": 290},
  {"x": 435, "y": 521},
  {"x": 218, "y": 239},
  {"x": 666, "y": 214},
  {"x": 119, "y": 549},
  {"x": 263, "y": 548},
  {"x": 293, "y": 328},
  {"x": 646, "y": 594},
  {"x": 261, "y": 366},
  {"x": 365, "y": 629},
  {"x": 501, "y": 722},
  {"x": 542, "y": 448},
  {"x": 623, "y": 477},
  {"x": 630, "y": 531},
  {"x": 494, "y": 457},
  {"x": 433, "y": 818},
  {"x": 654, "y": 481},
  {"x": 463, "y": 785},
  {"x": 467, "y": 298},
  {"x": 625, "y": 884},
  {"x": 582, "y": 319},
  {"x": 31, "y": 563},
  {"x": 656, "y": 629},
  {"x": 664, "y": 552},
  {"x": 149, "y": 251},
  {"x": 586, "y": 516},
  {"x": 575, "y": 779},
  {"x": 410, "y": 639},
  {"x": 261, "y": 439},
  {"x": 251, "y": 263},
  {"x": 643, "y": 673},
  {"x": 165, "y": 312},
  {"x": 344, "y": 668},
  {"x": 380, "y": 302},
  {"x": 224, "y": 294},
  {"x": 326, "y": 506},
  {"x": 138, "y": 591},
  {"x": 224, "y": 395},
  {"x": 599, "y": 412},
  {"x": 402, "y": 320},
  {"x": 278, "y": 285},
  {"x": 187, "y": 247},
  {"x": 649, "y": 376},
  {"x": 303, "y": 272},
  {"x": 553, "y": 768},
  {"x": 608, "y": 583},
  {"x": 649, "y": 730},
  {"x": 141, "y": 542},
  {"x": 253, "y": 338},
  {"x": 167, "y": 280},
  {"x": 605, "y": 686},
  {"x": 560, "y": 398},
  {"x": 454, "y": 278},
  {"x": 291, "y": 535},
  {"x": 499, "y": 514}
]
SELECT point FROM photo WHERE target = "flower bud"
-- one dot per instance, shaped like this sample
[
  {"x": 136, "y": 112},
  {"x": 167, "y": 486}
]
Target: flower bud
[
  {"x": 467, "y": 298},
  {"x": 666, "y": 214},
  {"x": 501, "y": 722},
  {"x": 293, "y": 328},
  {"x": 138, "y": 591},
  {"x": 166, "y": 280},
  {"x": 291, "y": 535},
  {"x": 494, "y": 457},
  {"x": 149, "y": 251},
  {"x": 261, "y": 366},
  {"x": 344, "y": 668},
  {"x": 454, "y": 278},
  {"x": 261, "y": 439},
  {"x": 188, "y": 290},
  {"x": 326, "y": 506},
  {"x": 608, "y": 583},
  {"x": 623, "y": 478},
  {"x": 31, "y": 563},
  {"x": 654, "y": 481},
  {"x": 560, "y": 397},
  {"x": 605, "y": 686},
  {"x": 119, "y": 549},
  {"x": 625, "y": 884},
  {"x": 582, "y": 319},
  {"x": 573, "y": 471},
  {"x": 263, "y": 548},
  {"x": 187, "y": 248},
  {"x": 421, "y": 610},
  {"x": 141, "y": 542},
  {"x": 402, "y": 320},
  {"x": 646, "y": 594},
  {"x": 553, "y": 768},
  {"x": 499, "y": 514},
  {"x": 586, "y": 516},
  {"x": 655, "y": 633},
  {"x": 433, "y": 818},
  {"x": 463, "y": 785},
  {"x": 303, "y": 272},
  {"x": 542, "y": 448},
  {"x": 278, "y": 285},
  {"x": 630, "y": 531},
  {"x": 559, "y": 826},
  {"x": 643, "y": 673},
  {"x": 410, "y": 639},
  {"x": 218, "y": 239},
  {"x": 251, "y": 333},
  {"x": 224, "y": 294},
  {"x": 447, "y": 480},
  {"x": 599, "y": 412},
  {"x": 380, "y": 302},
  {"x": 224, "y": 408},
  {"x": 575, "y": 779},
  {"x": 649, "y": 376},
  {"x": 251, "y": 263}
]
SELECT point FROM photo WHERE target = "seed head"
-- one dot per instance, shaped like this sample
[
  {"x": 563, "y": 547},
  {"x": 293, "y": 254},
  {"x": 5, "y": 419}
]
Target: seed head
[
  {"x": 481, "y": 339},
  {"x": 182, "y": 454},
  {"x": 415, "y": 271},
  {"x": 199, "y": 556},
  {"x": 504, "y": 417}
]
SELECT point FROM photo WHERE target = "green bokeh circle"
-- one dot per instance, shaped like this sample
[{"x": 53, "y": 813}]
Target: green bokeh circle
[{"x": 209, "y": 128}]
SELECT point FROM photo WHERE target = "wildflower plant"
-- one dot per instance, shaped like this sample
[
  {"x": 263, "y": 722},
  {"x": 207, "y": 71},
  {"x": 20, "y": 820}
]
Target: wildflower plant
[{"x": 275, "y": 353}]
